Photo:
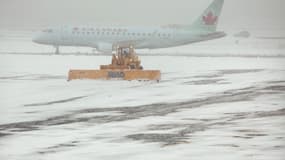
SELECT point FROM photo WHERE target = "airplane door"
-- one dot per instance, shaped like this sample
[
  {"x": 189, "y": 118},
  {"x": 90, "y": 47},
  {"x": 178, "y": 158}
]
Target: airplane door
[
  {"x": 154, "y": 34},
  {"x": 64, "y": 34},
  {"x": 155, "y": 42}
]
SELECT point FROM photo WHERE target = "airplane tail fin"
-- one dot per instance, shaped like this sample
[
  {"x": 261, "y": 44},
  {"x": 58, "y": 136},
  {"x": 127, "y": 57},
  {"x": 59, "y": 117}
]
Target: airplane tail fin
[{"x": 209, "y": 19}]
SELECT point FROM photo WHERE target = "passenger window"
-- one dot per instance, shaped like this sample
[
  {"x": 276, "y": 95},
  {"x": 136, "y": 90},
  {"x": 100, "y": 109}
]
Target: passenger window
[{"x": 48, "y": 30}]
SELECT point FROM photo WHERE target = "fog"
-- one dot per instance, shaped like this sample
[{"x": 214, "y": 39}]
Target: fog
[{"x": 40, "y": 13}]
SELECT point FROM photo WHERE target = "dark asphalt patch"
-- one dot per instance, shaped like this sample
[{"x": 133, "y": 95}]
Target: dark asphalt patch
[
  {"x": 59, "y": 147},
  {"x": 216, "y": 78},
  {"x": 4, "y": 134},
  {"x": 55, "y": 102},
  {"x": 168, "y": 139},
  {"x": 206, "y": 82},
  {"x": 32, "y": 77},
  {"x": 179, "y": 137},
  {"x": 239, "y": 71}
]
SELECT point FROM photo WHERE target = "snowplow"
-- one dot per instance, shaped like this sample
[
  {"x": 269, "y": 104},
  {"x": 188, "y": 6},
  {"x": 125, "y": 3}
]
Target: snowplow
[{"x": 125, "y": 65}]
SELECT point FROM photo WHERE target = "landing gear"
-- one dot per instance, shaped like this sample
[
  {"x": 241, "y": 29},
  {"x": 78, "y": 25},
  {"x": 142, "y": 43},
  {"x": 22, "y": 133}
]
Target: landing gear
[{"x": 57, "y": 50}]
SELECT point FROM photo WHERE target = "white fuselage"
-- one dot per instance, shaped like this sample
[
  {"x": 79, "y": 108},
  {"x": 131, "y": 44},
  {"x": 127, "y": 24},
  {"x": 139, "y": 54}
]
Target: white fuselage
[{"x": 106, "y": 38}]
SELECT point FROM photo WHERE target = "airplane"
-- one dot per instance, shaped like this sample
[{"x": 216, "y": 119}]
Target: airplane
[{"x": 106, "y": 38}]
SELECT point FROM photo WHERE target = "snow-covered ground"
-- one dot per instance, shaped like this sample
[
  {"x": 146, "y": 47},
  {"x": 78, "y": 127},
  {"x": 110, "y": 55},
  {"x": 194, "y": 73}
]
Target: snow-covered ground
[
  {"x": 219, "y": 99},
  {"x": 204, "y": 108}
]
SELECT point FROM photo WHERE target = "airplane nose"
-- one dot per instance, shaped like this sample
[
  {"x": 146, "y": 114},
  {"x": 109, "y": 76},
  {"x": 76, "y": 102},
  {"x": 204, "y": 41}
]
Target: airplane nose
[
  {"x": 39, "y": 38},
  {"x": 36, "y": 38}
]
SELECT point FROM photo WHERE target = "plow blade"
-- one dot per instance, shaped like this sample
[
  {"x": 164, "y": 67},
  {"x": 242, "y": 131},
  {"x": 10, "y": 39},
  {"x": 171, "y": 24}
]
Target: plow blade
[{"x": 105, "y": 74}]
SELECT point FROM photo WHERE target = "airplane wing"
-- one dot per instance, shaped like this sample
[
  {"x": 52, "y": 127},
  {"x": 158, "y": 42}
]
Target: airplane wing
[
  {"x": 108, "y": 47},
  {"x": 129, "y": 43}
]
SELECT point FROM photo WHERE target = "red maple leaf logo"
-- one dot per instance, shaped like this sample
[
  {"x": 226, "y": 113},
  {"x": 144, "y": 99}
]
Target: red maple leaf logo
[{"x": 210, "y": 19}]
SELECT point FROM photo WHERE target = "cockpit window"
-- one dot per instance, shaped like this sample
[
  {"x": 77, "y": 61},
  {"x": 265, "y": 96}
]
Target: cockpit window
[{"x": 48, "y": 30}]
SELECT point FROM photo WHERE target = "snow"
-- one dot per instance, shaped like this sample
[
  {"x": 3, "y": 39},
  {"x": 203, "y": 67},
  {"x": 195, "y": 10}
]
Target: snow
[{"x": 203, "y": 108}]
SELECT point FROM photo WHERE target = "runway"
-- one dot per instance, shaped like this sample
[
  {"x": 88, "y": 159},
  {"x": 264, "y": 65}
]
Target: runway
[{"x": 204, "y": 108}]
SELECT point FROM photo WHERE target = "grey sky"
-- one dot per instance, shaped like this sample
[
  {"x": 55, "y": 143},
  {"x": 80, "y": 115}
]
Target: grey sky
[{"x": 39, "y": 13}]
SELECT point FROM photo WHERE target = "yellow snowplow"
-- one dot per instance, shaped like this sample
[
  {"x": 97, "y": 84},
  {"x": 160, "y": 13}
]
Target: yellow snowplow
[{"x": 125, "y": 65}]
